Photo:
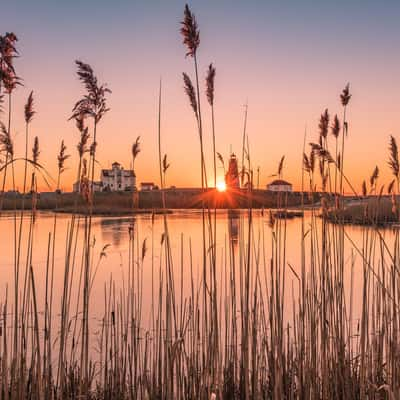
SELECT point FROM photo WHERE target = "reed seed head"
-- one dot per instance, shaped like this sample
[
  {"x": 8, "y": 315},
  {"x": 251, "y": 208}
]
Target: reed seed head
[
  {"x": 189, "y": 89},
  {"x": 62, "y": 157},
  {"x": 165, "y": 164},
  {"x": 136, "y": 148},
  {"x": 35, "y": 150},
  {"x": 190, "y": 32},
  {"x": 93, "y": 103},
  {"x": 7, "y": 144},
  {"x": 280, "y": 166},
  {"x": 394, "y": 157},
  {"x": 364, "y": 188},
  {"x": 221, "y": 160},
  {"x": 29, "y": 111},
  {"x": 306, "y": 163},
  {"x": 82, "y": 145},
  {"x": 374, "y": 176},
  {"x": 335, "y": 128},
  {"x": 324, "y": 124},
  {"x": 345, "y": 96},
  {"x": 8, "y": 52},
  {"x": 210, "y": 84},
  {"x": 92, "y": 150}
]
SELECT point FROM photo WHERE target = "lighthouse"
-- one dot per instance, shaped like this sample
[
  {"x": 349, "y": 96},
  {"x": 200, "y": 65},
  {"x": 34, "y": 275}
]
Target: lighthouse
[{"x": 232, "y": 180}]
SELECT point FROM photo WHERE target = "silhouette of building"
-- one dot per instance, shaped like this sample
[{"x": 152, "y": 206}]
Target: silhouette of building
[{"x": 232, "y": 180}]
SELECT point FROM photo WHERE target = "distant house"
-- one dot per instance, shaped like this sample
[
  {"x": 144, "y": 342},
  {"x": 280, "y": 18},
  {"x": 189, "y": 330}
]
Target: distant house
[
  {"x": 147, "y": 186},
  {"x": 117, "y": 179},
  {"x": 280, "y": 185},
  {"x": 97, "y": 187}
]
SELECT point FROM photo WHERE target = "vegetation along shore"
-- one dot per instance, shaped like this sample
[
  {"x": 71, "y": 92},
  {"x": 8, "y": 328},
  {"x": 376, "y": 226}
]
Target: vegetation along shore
[{"x": 238, "y": 322}]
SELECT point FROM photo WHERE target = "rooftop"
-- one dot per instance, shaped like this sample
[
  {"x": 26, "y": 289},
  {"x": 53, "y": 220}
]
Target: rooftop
[{"x": 279, "y": 182}]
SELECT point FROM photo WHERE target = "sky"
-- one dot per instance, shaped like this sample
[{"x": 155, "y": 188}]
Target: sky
[{"x": 288, "y": 60}]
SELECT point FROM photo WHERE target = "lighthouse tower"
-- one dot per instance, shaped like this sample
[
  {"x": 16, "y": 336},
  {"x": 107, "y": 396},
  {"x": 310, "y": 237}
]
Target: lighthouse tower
[{"x": 232, "y": 176}]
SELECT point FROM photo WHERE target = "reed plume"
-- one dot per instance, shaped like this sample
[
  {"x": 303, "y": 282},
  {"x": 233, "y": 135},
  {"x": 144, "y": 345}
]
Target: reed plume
[
  {"x": 324, "y": 124},
  {"x": 280, "y": 166},
  {"x": 394, "y": 157},
  {"x": 189, "y": 90},
  {"x": 6, "y": 142},
  {"x": 312, "y": 161},
  {"x": 221, "y": 160},
  {"x": 335, "y": 128},
  {"x": 165, "y": 164},
  {"x": 35, "y": 150},
  {"x": 84, "y": 184},
  {"x": 374, "y": 176},
  {"x": 136, "y": 148},
  {"x": 29, "y": 111},
  {"x": 82, "y": 146},
  {"x": 364, "y": 188},
  {"x": 80, "y": 122},
  {"x": 323, "y": 153},
  {"x": 345, "y": 96},
  {"x": 62, "y": 157},
  {"x": 8, "y": 52},
  {"x": 93, "y": 103},
  {"x": 92, "y": 150},
  {"x": 135, "y": 151},
  {"x": 306, "y": 163},
  {"x": 344, "y": 99},
  {"x": 190, "y": 32},
  {"x": 210, "y": 84}
]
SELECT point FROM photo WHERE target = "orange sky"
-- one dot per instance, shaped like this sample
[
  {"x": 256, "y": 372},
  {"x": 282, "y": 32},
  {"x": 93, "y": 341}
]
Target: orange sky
[{"x": 281, "y": 59}]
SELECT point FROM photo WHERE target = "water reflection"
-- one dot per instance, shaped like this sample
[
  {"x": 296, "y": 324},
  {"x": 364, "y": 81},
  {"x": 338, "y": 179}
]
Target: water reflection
[
  {"x": 233, "y": 225},
  {"x": 116, "y": 230}
]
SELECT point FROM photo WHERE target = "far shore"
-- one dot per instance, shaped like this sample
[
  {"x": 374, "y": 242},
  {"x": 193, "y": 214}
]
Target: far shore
[{"x": 124, "y": 203}]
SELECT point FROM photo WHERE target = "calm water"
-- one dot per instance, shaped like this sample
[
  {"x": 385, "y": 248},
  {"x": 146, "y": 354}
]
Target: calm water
[{"x": 185, "y": 228}]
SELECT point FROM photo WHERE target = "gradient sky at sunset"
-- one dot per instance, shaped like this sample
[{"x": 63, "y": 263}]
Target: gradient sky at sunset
[{"x": 288, "y": 59}]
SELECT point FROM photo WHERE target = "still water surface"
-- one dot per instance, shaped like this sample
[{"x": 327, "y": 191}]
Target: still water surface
[{"x": 185, "y": 229}]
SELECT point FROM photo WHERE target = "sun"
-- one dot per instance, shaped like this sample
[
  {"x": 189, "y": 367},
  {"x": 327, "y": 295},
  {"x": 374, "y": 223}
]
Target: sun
[{"x": 221, "y": 186}]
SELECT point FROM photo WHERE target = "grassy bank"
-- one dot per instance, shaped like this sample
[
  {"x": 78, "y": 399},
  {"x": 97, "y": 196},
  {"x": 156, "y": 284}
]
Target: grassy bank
[
  {"x": 125, "y": 202},
  {"x": 377, "y": 210}
]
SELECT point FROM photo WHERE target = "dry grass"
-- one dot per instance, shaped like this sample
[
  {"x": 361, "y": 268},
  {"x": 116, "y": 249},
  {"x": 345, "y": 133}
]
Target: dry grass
[{"x": 234, "y": 334}]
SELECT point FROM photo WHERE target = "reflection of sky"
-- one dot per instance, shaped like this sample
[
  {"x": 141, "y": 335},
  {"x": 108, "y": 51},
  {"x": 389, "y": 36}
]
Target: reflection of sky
[
  {"x": 290, "y": 59},
  {"x": 187, "y": 248}
]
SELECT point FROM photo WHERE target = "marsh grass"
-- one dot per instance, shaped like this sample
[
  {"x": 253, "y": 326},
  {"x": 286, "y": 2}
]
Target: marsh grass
[{"x": 249, "y": 325}]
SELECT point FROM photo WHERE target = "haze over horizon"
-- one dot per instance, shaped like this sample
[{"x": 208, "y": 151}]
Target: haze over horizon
[{"x": 288, "y": 61}]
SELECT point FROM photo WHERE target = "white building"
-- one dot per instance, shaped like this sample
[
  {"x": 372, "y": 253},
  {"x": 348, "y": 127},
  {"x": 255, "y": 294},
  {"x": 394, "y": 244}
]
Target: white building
[
  {"x": 280, "y": 185},
  {"x": 117, "y": 179},
  {"x": 147, "y": 186}
]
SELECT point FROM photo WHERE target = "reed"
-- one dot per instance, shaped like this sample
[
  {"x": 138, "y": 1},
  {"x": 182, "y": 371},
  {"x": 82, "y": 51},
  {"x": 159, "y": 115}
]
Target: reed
[{"x": 249, "y": 324}]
